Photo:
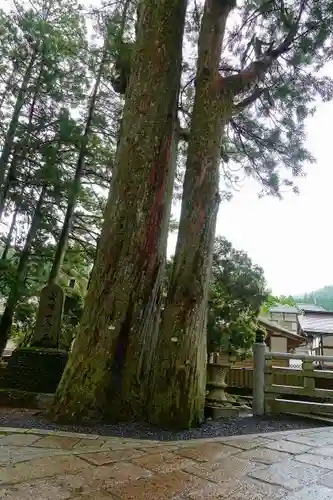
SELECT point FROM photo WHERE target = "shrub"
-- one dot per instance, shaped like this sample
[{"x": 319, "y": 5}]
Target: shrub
[{"x": 35, "y": 369}]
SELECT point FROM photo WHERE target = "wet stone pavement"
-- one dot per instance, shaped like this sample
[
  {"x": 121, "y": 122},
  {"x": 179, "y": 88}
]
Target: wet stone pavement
[{"x": 47, "y": 465}]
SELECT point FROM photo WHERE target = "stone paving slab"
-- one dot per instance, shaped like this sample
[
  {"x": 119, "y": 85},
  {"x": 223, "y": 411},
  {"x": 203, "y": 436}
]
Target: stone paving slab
[{"x": 49, "y": 465}]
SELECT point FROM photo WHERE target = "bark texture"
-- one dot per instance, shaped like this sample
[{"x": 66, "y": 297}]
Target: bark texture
[
  {"x": 178, "y": 379},
  {"x": 108, "y": 369}
]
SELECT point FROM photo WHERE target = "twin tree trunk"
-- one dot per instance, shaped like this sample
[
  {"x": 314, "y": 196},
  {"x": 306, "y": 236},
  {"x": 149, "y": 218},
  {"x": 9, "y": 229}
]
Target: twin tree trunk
[
  {"x": 178, "y": 379},
  {"x": 107, "y": 372}
]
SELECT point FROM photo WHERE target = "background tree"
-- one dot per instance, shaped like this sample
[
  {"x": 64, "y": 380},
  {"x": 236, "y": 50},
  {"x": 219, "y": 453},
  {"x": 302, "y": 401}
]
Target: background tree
[
  {"x": 39, "y": 125},
  {"x": 274, "y": 300},
  {"x": 237, "y": 290},
  {"x": 51, "y": 147},
  {"x": 322, "y": 297}
]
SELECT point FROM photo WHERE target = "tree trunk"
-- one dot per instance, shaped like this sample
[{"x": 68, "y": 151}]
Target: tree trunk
[
  {"x": 15, "y": 293},
  {"x": 8, "y": 86},
  {"x": 10, "y": 234},
  {"x": 108, "y": 370},
  {"x": 10, "y": 136},
  {"x": 7, "y": 183},
  {"x": 75, "y": 188},
  {"x": 11, "y": 174},
  {"x": 178, "y": 379}
]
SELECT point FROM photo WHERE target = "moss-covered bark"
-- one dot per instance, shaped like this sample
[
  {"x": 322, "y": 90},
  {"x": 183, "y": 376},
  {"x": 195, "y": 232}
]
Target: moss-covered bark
[
  {"x": 108, "y": 370},
  {"x": 178, "y": 377}
]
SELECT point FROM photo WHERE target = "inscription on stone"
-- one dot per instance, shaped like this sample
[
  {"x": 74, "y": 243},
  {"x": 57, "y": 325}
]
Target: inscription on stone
[{"x": 49, "y": 317}]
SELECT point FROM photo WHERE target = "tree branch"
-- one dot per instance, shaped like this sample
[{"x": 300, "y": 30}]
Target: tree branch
[
  {"x": 256, "y": 94},
  {"x": 184, "y": 134},
  {"x": 255, "y": 71}
]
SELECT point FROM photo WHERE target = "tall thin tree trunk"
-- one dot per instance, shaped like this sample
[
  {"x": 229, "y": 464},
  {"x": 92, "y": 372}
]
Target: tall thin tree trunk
[
  {"x": 11, "y": 174},
  {"x": 7, "y": 184},
  {"x": 15, "y": 293},
  {"x": 10, "y": 234},
  {"x": 10, "y": 136},
  {"x": 178, "y": 379},
  {"x": 107, "y": 370},
  {"x": 75, "y": 188},
  {"x": 4, "y": 94}
]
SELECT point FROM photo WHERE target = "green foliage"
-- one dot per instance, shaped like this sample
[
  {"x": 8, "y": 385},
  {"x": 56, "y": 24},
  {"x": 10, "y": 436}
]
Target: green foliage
[
  {"x": 25, "y": 316},
  {"x": 266, "y": 134},
  {"x": 237, "y": 291},
  {"x": 123, "y": 67},
  {"x": 73, "y": 309},
  {"x": 35, "y": 370},
  {"x": 7, "y": 273},
  {"x": 52, "y": 63},
  {"x": 76, "y": 266},
  {"x": 273, "y": 300}
]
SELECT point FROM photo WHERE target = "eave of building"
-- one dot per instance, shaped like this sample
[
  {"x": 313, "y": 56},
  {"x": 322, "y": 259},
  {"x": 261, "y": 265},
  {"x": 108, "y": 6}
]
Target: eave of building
[{"x": 283, "y": 332}]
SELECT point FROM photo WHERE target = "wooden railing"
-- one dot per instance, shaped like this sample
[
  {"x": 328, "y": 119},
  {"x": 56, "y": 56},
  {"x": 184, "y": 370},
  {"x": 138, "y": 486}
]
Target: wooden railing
[
  {"x": 309, "y": 390},
  {"x": 242, "y": 378}
]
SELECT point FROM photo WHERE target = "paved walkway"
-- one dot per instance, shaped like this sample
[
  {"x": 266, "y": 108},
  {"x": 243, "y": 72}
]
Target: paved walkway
[{"x": 293, "y": 465}]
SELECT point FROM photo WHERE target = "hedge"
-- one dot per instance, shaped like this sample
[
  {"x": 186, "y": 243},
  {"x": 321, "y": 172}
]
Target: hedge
[
  {"x": 35, "y": 369},
  {"x": 13, "y": 398}
]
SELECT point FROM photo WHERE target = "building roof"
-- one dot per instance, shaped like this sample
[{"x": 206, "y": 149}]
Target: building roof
[
  {"x": 278, "y": 330},
  {"x": 310, "y": 307},
  {"x": 284, "y": 309},
  {"x": 316, "y": 322}
]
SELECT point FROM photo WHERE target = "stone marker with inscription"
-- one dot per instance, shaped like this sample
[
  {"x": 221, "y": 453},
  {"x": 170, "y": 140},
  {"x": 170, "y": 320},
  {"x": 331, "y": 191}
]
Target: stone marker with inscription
[{"x": 49, "y": 317}]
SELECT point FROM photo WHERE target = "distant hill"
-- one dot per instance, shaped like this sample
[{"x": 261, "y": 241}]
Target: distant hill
[{"x": 322, "y": 297}]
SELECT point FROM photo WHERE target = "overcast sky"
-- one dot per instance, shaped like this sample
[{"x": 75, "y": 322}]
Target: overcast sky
[{"x": 291, "y": 239}]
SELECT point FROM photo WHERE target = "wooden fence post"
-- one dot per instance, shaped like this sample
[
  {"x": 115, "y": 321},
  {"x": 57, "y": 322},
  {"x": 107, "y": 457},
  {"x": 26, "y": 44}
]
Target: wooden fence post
[
  {"x": 309, "y": 380},
  {"x": 268, "y": 383},
  {"x": 258, "y": 402}
]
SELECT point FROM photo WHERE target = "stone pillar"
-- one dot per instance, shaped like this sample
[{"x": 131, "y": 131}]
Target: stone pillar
[
  {"x": 216, "y": 381},
  {"x": 259, "y": 349},
  {"x": 49, "y": 317},
  {"x": 216, "y": 400}
]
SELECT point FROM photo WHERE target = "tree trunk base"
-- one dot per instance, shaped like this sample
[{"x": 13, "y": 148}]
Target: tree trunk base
[
  {"x": 89, "y": 390},
  {"x": 178, "y": 378}
]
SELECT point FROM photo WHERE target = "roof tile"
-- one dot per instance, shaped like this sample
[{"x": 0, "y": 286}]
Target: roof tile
[{"x": 317, "y": 323}]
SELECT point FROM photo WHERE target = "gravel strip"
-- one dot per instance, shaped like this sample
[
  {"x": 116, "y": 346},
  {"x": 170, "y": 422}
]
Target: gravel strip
[{"x": 227, "y": 427}]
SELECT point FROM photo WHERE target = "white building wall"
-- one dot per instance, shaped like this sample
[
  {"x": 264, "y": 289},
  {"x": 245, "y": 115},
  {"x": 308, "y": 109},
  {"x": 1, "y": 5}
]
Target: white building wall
[{"x": 278, "y": 344}]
